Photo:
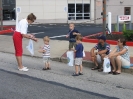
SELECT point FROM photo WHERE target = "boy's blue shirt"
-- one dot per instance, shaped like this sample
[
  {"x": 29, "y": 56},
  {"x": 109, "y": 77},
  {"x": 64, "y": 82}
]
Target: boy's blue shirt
[
  {"x": 79, "y": 50},
  {"x": 72, "y": 37}
]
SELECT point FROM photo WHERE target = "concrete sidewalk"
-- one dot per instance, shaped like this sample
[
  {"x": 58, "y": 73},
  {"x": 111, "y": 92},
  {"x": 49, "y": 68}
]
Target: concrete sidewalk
[
  {"x": 9, "y": 22},
  {"x": 58, "y": 48}
]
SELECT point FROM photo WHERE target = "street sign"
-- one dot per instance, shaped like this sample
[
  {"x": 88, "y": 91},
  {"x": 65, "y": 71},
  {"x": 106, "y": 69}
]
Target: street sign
[
  {"x": 123, "y": 18},
  {"x": 18, "y": 9}
]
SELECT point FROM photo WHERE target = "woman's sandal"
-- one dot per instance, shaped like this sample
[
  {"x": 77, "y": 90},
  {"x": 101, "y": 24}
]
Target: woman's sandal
[
  {"x": 112, "y": 72},
  {"x": 95, "y": 68},
  {"x": 45, "y": 69},
  {"x": 116, "y": 73}
]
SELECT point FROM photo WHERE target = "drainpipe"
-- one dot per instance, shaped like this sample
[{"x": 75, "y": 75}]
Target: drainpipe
[{"x": 1, "y": 14}]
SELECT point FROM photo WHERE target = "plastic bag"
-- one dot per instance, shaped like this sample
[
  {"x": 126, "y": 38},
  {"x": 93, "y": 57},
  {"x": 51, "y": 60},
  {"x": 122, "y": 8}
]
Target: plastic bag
[
  {"x": 70, "y": 58},
  {"x": 30, "y": 47},
  {"x": 83, "y": 53},
  {"x": 106, "y": 65}
]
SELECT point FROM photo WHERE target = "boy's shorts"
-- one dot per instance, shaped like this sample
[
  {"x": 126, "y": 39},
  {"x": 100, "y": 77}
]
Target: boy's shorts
[
  {"x": 46, "y": 59},
  {"x": 71, "y": 45},
  {"x": 78, "y": 61}
]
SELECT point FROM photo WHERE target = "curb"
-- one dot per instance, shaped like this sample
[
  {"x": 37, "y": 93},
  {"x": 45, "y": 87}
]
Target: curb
[
  {"x": 88, "y": 64},
  {"x": 6, "y": 31}
]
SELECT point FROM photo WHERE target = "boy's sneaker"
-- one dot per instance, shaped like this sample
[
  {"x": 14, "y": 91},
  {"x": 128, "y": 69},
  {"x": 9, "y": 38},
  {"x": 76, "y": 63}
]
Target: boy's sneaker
[
  {"x": 74, "y": 74},
  {"x": 23, "y": 69}
]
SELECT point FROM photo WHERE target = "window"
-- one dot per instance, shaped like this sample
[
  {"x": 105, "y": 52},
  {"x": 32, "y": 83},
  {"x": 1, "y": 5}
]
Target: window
[
  {"x": 9, "y": 9},
  {"x": 71, "y": 8},
  {"x": 127, "y": 10},
  {"x": 82, "y": 11}
]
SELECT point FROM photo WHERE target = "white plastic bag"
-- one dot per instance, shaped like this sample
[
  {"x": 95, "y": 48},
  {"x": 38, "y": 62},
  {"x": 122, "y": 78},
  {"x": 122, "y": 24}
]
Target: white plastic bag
[
  {"x": 83, "y": 53},
  {"x": 106, "y": 65},
  {"x": 30, "y": 47},
  {"x": 70, "y": 58}
]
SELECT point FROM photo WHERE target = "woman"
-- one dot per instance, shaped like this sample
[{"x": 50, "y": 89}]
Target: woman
[
  {"x": 21, "y": 31},
  {"x": 119, "y": 57}
]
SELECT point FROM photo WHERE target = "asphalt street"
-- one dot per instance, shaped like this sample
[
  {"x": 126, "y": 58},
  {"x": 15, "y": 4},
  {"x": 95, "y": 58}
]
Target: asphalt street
[
  {"x": 51, "y": 30},
  {"x": 58, "y": 82},
  {"x": 18, "y": 86}
]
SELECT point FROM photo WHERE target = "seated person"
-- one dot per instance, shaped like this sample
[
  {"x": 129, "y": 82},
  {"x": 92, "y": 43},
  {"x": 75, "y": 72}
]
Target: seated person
[
  {"x": 119, "y": 57},
  {"x": 103, "y": 50}
]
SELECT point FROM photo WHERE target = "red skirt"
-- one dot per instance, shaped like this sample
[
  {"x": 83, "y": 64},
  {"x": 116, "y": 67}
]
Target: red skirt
[{"x": 17, "y": 39}]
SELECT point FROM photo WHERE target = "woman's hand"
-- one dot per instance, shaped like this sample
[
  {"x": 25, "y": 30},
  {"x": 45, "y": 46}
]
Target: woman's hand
[
  {"x": 35, "y": 39},
  {"x": 109, "y": 56}
]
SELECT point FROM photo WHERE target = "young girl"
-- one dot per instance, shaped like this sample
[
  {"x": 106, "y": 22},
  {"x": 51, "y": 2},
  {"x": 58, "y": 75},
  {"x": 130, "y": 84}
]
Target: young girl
[
  {"x": 20, "y": 32},
  {"x": 46, "y": 53}
]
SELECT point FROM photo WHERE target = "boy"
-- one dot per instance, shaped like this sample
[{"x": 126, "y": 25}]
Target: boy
[
  {"x": 78, "y": 56},
  {"x": 72, "y": 34},
  {"x": 46, "y": 53}
]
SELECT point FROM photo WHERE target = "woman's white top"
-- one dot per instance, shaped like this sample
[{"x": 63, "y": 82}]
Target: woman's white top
[
  {"x": 125, "y": 55},
  {"x": 22, "y": 26}
]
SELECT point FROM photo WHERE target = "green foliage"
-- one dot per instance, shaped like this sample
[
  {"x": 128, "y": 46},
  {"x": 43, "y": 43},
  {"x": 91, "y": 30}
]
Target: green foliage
[
  {"x": 116, "y": 28},
  {"x": 128, "y": 34},
  {"x": 124, "y": 27}
]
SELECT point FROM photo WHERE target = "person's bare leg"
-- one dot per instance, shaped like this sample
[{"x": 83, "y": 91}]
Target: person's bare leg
[
  {"x": 102, "y": 59},
  {"x": 49, "y": 66},
  {"x": 46, "y": 65},
  {"x": 76, "y": 69},
  {"x": 19, "y": 61},
  {"x": 112, "y": 60},
  {"x": 81, "y": 69},
  {"x": 96, "y": 64},
  {"x": 118, "y": 61}
]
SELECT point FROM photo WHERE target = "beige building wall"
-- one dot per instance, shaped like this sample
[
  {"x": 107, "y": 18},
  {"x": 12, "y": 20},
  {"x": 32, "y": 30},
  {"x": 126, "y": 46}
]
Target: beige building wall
[
  {"x": 50, "y": 11},
  {"x": 116, "y": 7},
  {"x": 47, "y": 11}
]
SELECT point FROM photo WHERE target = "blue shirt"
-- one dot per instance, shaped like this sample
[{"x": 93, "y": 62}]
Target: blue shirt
[
  {"x": 72, "y": 37},
  {"x": 79, "y": 50}
]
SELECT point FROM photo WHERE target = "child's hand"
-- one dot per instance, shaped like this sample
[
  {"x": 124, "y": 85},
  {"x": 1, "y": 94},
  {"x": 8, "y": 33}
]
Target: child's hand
[
  {"x": 41, "y": 51},
  {"x": 67, "y": 36},
  {"x": 74, "y": 33}
]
